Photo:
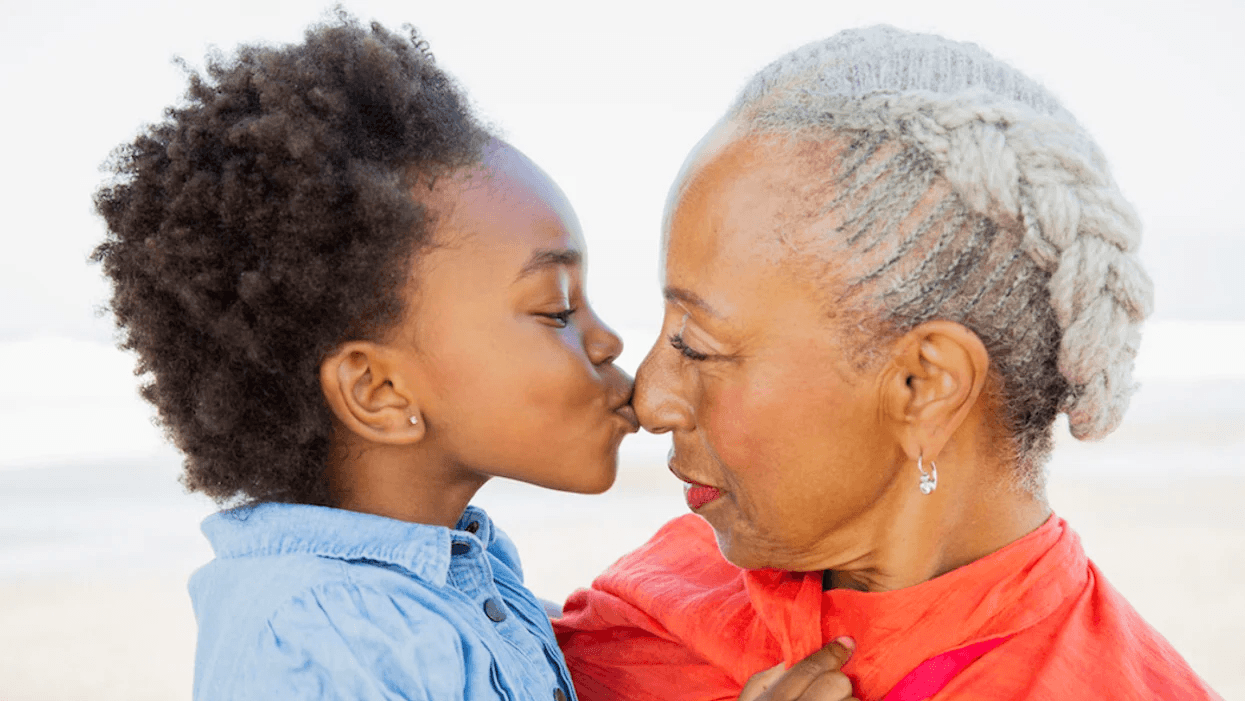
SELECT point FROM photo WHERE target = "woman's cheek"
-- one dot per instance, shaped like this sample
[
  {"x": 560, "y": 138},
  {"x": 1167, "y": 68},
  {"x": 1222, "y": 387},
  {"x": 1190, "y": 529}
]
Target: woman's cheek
[{"x": 739, "y": 430}]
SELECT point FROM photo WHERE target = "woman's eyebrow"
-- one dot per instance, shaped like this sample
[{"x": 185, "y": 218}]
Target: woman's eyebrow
[
  {"x": 678, "y": 294},
  {"x": 543, "y": 258}
]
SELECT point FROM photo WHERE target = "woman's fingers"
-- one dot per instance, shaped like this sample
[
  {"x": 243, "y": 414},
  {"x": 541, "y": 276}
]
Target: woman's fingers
[{"x": 814, "y": 678}]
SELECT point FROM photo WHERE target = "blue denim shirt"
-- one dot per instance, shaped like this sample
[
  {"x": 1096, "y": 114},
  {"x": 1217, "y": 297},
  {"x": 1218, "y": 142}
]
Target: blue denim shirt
[{"x": 307, "y": 602}]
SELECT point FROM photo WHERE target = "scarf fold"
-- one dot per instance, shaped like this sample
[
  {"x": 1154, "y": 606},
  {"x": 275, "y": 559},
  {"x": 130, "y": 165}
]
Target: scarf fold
[{"x": 674, "y": 620}]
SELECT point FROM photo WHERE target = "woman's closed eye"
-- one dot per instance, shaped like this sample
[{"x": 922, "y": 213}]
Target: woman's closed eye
[
  {"x": 560, "y": 318},
  {"x": 677, "y": 342}
]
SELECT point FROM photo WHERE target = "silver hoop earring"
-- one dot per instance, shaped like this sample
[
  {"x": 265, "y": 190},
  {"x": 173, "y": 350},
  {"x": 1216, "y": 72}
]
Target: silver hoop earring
[
  {"x": 929, "y": 480},
  {"x": 414, "y": 420}
]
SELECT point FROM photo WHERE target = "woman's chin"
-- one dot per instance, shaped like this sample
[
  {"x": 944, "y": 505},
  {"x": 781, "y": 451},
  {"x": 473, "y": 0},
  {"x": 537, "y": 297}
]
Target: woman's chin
[
  {"x": 741, "y": 554},
  {"x": 750, "y": 553}
]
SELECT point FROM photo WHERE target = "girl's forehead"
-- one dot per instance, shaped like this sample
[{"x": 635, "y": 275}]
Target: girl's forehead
[{"x": 503, "y": 210}]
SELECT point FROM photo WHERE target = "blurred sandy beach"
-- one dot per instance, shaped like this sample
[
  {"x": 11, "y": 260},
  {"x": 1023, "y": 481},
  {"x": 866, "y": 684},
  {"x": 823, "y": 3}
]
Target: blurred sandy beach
[{"x": 94, "y": 558}]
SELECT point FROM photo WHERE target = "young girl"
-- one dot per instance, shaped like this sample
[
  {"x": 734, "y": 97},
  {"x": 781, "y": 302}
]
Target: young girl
[{"x": 352, "y": 308}]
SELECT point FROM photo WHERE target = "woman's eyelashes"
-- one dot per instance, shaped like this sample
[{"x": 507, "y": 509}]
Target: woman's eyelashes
[{"x": 677, "y": 342}]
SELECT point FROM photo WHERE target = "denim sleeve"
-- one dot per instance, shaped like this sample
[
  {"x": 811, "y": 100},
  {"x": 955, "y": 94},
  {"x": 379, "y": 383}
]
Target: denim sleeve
[{"x": 344, "y": 641}]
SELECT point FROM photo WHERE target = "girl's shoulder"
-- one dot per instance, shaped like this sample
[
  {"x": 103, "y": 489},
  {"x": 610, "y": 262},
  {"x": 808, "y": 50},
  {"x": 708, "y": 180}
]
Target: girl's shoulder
[
  {"x": 271, "y": 557},
  {"x": 300, "y": 593},
  {"x": 298, "y": 626}
]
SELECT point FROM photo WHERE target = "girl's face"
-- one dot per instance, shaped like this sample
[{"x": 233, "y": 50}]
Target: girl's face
[{"x": 516, "y": 372}]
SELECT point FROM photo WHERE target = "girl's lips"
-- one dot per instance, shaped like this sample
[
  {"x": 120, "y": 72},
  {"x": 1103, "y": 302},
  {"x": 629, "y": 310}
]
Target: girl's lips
[
  {"x": 698, "y": 495},
  {"x": 628, "y": 413}
]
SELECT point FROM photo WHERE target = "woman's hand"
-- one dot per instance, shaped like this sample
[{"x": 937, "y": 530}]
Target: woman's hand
[{"x": 814, "y": 678}]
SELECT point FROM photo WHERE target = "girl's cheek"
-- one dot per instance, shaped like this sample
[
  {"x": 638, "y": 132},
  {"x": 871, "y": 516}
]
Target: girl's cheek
[{"x": 557, "y": 373}]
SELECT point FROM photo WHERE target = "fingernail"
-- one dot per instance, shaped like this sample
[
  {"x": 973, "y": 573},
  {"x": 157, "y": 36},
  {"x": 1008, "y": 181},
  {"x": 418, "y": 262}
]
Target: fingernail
[{"x": 846, "y": 642}]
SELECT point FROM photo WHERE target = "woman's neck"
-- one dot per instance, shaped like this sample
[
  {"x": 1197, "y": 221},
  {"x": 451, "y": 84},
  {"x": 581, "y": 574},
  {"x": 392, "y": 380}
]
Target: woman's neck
[{"x": 913, "y": 537}]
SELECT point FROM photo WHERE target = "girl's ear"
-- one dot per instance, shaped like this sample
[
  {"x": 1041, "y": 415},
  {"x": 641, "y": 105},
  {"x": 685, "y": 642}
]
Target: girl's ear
[
  {"x": 936, "y": 376},
  {"x": 363, "y": 392}
]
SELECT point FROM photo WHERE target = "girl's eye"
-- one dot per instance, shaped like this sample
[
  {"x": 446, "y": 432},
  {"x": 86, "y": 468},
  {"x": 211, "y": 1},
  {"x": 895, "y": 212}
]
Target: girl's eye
[
  {"x": 562, "y": 318},
  {"x": 676, "y": 341}
]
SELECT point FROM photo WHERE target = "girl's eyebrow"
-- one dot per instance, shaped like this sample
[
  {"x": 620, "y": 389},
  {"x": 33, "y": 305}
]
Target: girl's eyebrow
[{"x": 548, "y": 258}]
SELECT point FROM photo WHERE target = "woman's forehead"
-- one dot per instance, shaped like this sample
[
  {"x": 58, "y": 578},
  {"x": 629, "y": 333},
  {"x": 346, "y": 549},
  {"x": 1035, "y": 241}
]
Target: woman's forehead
[
  {"x": 757, "y": 196},
  {"x": 758, "y": 211},
  {"x": 797, "y": 200}
]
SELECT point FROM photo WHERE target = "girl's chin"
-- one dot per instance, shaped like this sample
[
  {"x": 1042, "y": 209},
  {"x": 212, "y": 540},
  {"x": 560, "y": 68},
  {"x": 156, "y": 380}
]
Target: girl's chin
[
  {"x": 584, "y": 476},
  {"x": 602, "y": 479}
]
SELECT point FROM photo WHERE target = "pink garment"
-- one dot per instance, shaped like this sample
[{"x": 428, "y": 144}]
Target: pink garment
[
  {"x": 933, "y": 675},
  {"x": 675, "y": 621}
]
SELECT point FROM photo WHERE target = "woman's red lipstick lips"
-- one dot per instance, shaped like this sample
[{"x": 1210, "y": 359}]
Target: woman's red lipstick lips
[{"x": 698, "y": 495}]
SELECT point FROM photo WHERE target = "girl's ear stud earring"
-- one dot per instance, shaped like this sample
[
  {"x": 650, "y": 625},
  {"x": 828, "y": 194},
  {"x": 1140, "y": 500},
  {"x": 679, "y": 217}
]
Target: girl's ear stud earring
[{"x": 414, "y": 420}]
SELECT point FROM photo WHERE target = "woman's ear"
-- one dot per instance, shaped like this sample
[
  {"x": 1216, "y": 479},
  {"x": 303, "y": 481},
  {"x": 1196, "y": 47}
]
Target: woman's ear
[
  {"x": 936, "y": 376},
  {"x": 366, "y": 394}
]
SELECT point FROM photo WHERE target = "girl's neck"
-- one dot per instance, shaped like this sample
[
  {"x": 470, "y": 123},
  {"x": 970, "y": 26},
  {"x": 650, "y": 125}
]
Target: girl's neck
[{"x": 399, "y": 482}]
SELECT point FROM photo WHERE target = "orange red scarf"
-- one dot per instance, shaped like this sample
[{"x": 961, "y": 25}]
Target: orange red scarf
[{"x": 675, "y": 621}]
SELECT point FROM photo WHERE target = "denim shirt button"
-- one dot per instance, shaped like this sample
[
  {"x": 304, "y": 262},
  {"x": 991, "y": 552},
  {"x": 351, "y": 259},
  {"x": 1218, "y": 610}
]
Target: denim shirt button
[
  {"x": 473, "y": 526},
  {"x": 495, "y": 610},
  {"x": 459, "y": 549},
  {"x": 559, "y": 695}
]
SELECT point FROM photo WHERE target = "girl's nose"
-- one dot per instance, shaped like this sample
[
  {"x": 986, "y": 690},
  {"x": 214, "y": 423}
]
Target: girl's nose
[{"x": 603, "y": 345}]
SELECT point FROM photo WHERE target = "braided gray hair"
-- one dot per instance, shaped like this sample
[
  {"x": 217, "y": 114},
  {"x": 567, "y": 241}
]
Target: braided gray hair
[{"x": 1031, "y": 246}]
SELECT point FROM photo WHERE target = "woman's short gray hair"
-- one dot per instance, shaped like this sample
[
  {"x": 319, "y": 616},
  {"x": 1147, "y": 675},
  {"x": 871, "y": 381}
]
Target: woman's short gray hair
[{"x": 1034, "y": 247}]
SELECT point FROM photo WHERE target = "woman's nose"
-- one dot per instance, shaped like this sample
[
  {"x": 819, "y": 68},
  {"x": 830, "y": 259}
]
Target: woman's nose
[{"x": 658, "y": 398}]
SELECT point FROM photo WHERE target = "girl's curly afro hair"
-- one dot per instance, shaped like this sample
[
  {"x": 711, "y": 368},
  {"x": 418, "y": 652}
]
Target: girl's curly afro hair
[{"x": 265, "y": 221}]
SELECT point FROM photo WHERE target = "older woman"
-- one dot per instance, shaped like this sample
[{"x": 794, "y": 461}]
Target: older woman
[{"x": 888, "y": 269}]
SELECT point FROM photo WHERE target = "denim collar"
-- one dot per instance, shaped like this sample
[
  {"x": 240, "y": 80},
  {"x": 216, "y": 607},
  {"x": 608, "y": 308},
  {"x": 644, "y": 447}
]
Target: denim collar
[{"x": 289, "y": 529}]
